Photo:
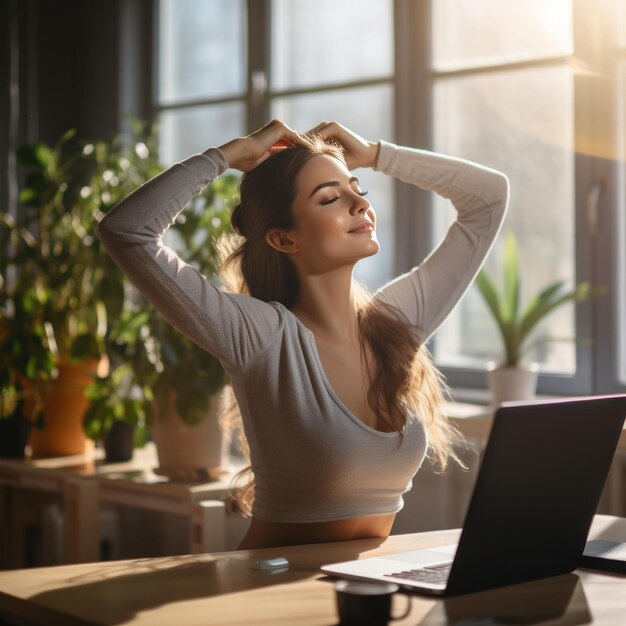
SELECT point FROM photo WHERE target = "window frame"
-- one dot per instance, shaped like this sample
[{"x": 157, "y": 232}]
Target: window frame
[{"x": 597, "y": 235}]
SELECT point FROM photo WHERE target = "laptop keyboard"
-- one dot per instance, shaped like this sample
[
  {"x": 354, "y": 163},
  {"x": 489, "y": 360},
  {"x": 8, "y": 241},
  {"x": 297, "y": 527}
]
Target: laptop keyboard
[{"x": 433, "y": 574}]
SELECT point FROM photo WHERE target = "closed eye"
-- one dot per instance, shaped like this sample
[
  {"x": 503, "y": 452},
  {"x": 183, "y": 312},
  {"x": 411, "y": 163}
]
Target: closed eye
[{"x": 331, "y": 200}]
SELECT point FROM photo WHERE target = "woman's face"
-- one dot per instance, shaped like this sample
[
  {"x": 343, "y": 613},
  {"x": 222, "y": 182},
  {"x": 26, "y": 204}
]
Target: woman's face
[{"x": 334, "y": 224}]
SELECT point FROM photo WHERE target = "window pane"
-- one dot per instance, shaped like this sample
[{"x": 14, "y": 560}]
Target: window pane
[
  {"x": 479, "y": 32},
  {"x": 367, "y": 111},
  {"x": 620, "y": 243},
  {"x": 324, "y": 41},
  {"x": 184, "y": 132},
  {"x": 521, "y": 123},
  {"x": 202, "y": 49}
]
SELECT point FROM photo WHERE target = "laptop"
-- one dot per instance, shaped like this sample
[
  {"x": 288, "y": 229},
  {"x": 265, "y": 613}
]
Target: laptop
[{"x": 535, "y": 496}]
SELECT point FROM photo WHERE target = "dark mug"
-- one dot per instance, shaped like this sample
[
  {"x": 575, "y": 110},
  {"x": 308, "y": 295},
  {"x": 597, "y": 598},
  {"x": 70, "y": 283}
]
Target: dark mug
[{"x": 365, "y": 603}]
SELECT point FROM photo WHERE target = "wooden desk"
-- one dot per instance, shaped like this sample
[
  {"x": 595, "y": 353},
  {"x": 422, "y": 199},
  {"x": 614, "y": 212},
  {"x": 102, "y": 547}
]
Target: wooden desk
[
  {"x": 221, "y": 588},
  {"x": 83, "y": 482}
]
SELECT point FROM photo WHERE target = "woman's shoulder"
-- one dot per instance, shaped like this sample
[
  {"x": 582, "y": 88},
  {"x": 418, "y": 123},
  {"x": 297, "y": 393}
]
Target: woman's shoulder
[{"x": 254, "y": 310}]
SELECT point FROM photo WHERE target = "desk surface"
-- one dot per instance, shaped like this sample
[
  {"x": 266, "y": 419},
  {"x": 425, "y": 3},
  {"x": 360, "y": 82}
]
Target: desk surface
[{"x": 221, "y": 588}]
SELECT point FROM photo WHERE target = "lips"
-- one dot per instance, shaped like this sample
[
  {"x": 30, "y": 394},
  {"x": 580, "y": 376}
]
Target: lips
[{"x": 364, "y": 226}]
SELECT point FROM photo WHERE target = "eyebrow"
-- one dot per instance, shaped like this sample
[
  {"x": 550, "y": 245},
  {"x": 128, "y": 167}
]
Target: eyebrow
[{"x": 332, "y": 183}]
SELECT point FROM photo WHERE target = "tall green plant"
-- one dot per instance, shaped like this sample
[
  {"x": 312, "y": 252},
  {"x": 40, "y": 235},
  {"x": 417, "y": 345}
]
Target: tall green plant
[
  {"x": 61, "y": 295},
  {"x": 59, "y": 290},
  {"x": 68, "y": 187},
  {"x": 515, "y": 324}
]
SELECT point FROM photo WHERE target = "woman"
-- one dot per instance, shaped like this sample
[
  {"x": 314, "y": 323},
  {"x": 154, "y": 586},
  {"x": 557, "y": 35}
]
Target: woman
[{"x": 338, "y": 398}]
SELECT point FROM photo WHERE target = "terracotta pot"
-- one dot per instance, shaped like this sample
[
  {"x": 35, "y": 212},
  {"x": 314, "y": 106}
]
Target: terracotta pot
[
  {"x": 64, "y": 405},
  {"x": 508, "y": 384},
  {"x": 185, "y": 451}
]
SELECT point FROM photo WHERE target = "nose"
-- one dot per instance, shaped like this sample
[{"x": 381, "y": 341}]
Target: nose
[{"x": 360, "y": 204}]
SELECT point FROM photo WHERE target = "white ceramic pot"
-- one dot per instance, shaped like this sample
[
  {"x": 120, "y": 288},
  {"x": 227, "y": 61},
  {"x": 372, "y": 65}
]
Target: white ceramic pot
[
  {"x": 188, "y": 452},
  {"x": 509, "y": 384}
]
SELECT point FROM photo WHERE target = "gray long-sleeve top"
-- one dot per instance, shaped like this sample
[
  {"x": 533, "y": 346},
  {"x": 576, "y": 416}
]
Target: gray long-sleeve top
[{"x": 312, "y": 458}]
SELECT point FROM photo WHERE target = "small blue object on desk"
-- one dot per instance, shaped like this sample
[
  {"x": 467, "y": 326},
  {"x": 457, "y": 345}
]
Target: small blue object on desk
[
  {"x": 606, "y": 556},
  {"x": 271, "y": 564}
]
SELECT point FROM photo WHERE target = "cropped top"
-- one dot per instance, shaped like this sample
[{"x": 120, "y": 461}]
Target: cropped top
[{"x": 313, "y": 460}]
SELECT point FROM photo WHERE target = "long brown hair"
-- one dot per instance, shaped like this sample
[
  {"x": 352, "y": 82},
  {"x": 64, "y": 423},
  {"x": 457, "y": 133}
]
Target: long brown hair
[{"x": 404, "y": 379}]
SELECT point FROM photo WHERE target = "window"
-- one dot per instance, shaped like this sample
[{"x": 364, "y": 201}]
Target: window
[
  {"x": 501, "y": 98},
  {"x": 536, "y": 89},
  {"x": 299, "y": 68},
  {"x": 515, "y": 86},
  {"x": 201, "y": 84}
]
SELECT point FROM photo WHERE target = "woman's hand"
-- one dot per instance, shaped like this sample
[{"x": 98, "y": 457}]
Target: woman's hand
[
  {"x": 245, "y": 153},
  {"x": 358, "y": 152}
]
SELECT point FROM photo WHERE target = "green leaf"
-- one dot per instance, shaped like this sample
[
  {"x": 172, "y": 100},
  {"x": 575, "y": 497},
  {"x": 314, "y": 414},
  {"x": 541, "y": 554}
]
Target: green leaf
[
  {"x": 549, "y": 300},
  {"x": 128, "y": 328},
  {"x": 511, "y": 278},
  {"x": 120, "y": 373},
  {"x": 29, "y": 197},
  {"x": 487, "y": 288},
  {"x": 540, "y": 300},
  {"x": 140, "y": 435},
  {"x": 97, "y": 390},
  {"x": 94, "y": 420},
  {"x": 65, "y": 137},
  {"x": 34, "y": 155},
  {"x": 32, "y": 368}
]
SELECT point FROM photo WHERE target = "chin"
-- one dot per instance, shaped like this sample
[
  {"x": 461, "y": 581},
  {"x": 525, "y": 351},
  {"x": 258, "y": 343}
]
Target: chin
[{"x": 373, "y": 248}]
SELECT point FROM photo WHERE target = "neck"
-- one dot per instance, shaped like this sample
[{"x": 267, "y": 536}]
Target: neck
[{"x": 325, "y": 304}]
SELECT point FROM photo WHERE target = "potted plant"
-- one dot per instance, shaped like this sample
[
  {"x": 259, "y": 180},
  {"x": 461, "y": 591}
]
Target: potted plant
[
  {"x": 512, "y": 378},
  {"x": 69, "y": 312},
  {"x": 61, "y": 285},
  {"x": 40, "y": 284}
]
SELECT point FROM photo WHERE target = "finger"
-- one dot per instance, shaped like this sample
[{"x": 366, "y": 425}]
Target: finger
[
  {"x": 334, "y": 131},
  {"x": 289, "y": 141},
  {"x": 318, "y": 127},
  {"x": 277, "y": 131},
  {"x": 281, "y": 144}
]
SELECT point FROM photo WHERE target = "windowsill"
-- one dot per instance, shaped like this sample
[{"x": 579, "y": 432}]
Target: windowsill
[
  {"x": 471, "y": 396},
  {"x": 471, "y": 412},
  {"x": 482, "y": 397}
]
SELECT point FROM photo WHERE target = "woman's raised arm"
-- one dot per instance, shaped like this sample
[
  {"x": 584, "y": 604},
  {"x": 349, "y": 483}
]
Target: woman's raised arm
[
  {"x": 428, "y": 293},
  {"x": 231, "y": 326}
]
